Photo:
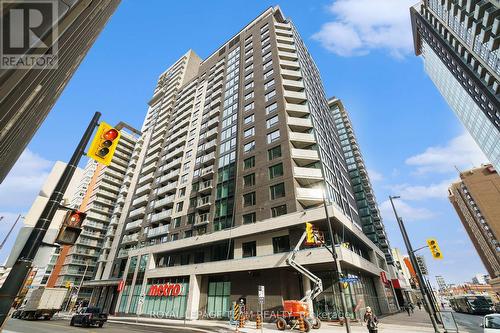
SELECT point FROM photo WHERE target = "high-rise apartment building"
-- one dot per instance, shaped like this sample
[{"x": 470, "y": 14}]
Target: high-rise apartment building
[
  {"x": 476, "y": 199},
  {"x": 28, "y": 94},
  {"x": 369, "y": 213},
  {"x": 43, "y": 262},
  {"x": 235, "y": 153},
  {"x": 459, "y": 40},
  {"x": 101, "y": 185}
]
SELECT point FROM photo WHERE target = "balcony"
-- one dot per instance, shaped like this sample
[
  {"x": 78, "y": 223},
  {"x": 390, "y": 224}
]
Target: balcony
[
  {"x": 284, "y": 40},
  {"x": 299, "y": 124},
  {"x": 92, "y": 224},
  {"x": 123, "y": 253},
  {"x": 207, "y": 172},
  {"x": 206, "y": 186},
  {"x": 161, "y": 215},
  {"x": 304, "y": 156},
  {"x": 130, "y": 238},
  {"x": 171, "y": 175},
  {"x": 302, "y": 140},
  {"x": 140, "y": 200},
  {"x": 208, "y": 159},
  {"x": 307, "y": 176},
  {"x": 294, "y": 96},
  {"x": 164, "y": 202},
  {"x": 146, "y": 179},
  {"x": 139, "y": 212},
  {"x": 292, "y": 75},
  {"x": 169, "y": 188},
  {"x": 203, "y": 203},
  {"x": 309, "y": 196},
  {"x": 171, "y": 164},
  {"x": 202, "y": 219},
  {"x": 296, "y": 110},
  {"x": 286, "y": 47},
  {"x": 284, "y": 55},
  {"x": 133, "y": 225},
  {"x": 143, "y": 189},
  {"x": 153, "y": 232},
  {"x": 288, "y": 64}
]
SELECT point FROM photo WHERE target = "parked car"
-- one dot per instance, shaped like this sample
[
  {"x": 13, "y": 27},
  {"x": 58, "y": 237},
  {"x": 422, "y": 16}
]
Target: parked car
[
  {"x": 491, "y": 323},
  {"x": 89, "y": 316}
]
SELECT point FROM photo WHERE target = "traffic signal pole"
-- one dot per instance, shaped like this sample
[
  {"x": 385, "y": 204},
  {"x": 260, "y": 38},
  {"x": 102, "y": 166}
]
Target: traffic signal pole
[
  {"x": 421, "y": 283},
  {"x": 21, "y": 268}
]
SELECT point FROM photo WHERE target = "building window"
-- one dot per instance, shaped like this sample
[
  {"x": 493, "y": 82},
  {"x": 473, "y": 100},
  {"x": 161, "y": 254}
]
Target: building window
[
  {"x": 182, "y": 192},
  {"x": 268, "y": 74},
  {"x": 273, "y": 136},
  {"x": 249, "y": 85},
  {"x": 199, "y": 257},
  {"x": 248, "y": 96},
  {"x": 179, "y": 207},
  {"x": 276, "y": 171},
  {"x": 250, "y": 119},
  {"x": 249, "y": 76},
  {"x": 249, "y": 249},
  {"x": 272, "y": 121},
  {"x": 281, "y": 244},
  {"x": 249, "y": 107},
  {"x": 184, "y": 178},
  {"x": 249, "y": 199},
  {"x": 277, "y": 191},
  {"x": 274, "y": 153},
  {"x": 278, "y": 210},
  {"x": 249, "y": 162},
  {"x": 188, "y": 233},
  {"x": 249, "y": 218},
  {"x": 250, "y": 146},
  {"x": 269, "y": 84},
  {"x": 190, "y": 219},
  {"x": 249, "y": 132},
  {"x": 175, "y": 237},
  {"x": 269, "y": 95},
  {"x": 271, "y": 108},
  {"x": 249, "y": 180},
  {"x": 267, "y": 64},
  {"x": 177, "y": 222}
]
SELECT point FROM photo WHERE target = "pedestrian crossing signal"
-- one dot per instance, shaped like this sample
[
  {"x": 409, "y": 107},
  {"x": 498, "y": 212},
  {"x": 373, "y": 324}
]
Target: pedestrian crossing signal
[
  {"x": 434, "y": 247},
  {"x": 104, "y": 144},
  {"x": 310, "y": 234}
]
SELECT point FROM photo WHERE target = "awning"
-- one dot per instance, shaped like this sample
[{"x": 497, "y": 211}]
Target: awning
[{"x": 101, "y": 283}]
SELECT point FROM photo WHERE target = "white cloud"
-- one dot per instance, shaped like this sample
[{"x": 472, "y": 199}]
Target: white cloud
[
  {"x": 422, "y": 192},
  {"x": 406, "y": 211},
  {"x": 24, "y": 181},
  {"x": 460, "y": 151},
  {"x": 375, "y": 176},
  {"x": 364, "y": 25}
]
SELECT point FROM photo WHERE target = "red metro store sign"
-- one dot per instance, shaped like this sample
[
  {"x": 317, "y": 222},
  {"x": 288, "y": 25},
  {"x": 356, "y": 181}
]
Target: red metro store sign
[{"x": 167, "y": 289}]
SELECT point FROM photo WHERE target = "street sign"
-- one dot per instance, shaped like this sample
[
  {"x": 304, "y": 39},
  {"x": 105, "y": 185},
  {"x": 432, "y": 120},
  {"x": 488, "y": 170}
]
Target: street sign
[
  {"x": 261, "y": 294},
  {"x": 349, "y": 279}
]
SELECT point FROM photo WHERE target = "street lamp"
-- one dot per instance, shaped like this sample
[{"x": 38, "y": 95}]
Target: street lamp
[
  {"x": 338, "y": 268},
  {"x": 413, "y": 261}
]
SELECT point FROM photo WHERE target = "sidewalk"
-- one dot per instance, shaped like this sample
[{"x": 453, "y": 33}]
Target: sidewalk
[{"x": 398, "y": 323}]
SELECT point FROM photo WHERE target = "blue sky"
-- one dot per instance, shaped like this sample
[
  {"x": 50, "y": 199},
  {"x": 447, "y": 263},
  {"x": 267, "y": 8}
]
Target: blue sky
[{"x": 410, "y": 139}]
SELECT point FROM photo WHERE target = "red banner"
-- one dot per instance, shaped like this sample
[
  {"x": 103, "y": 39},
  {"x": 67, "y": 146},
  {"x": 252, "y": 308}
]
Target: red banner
[
  {"x": 167, "y": 289},
  {"x": 383, "y": 277},
  {"x": 121, "y": 284}
]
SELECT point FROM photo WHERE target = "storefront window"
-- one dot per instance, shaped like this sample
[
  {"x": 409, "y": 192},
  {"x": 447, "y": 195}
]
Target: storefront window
[
  {"x": 170, "y": 306},
  {"x": 219, "y": 292}
]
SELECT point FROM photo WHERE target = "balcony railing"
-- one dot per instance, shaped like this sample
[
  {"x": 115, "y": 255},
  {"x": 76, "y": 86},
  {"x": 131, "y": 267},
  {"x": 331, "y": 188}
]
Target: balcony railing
[
  {"x": 164, "y": 229},
  {"x": 132, "y": 225},
  {"x": 161, "y": 215}
]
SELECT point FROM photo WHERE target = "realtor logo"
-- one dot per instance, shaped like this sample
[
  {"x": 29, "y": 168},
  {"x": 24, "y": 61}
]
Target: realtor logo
[{"x": 28, "y": 37}]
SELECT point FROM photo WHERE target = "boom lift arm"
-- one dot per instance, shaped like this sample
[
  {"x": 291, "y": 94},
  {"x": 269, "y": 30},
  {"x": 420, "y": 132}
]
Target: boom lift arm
[{"x": 317, "y": 283}]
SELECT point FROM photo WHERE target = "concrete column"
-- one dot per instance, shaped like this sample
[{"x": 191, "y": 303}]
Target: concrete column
[
  {"x": 382, "y": 298},
  {"x": 193, "y": 300},
  {"x": 306, "y": 288}
]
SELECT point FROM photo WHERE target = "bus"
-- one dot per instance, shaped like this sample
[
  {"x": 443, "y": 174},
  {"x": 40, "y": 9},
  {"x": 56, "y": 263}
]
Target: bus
[{"x": 473, "y": 304}]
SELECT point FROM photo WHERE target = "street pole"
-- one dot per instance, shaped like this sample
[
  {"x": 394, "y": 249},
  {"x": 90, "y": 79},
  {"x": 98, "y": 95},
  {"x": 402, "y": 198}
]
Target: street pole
[
  {"x": 21, "y": 268},
  {"x": 10, "y": 231},
  {"x": 413, "y": 261},
  {"x": 81, "y": 281},
  {"x": 338, "y": 268}
]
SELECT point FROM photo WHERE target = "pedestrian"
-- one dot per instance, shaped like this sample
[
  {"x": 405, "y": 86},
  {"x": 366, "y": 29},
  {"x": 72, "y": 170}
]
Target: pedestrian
[
  {"x": 371, "y": 320},
  {"x": 412, "y": 307},
  {"x": 419, "y": 304},
  {"x": 407, "y": 308}
]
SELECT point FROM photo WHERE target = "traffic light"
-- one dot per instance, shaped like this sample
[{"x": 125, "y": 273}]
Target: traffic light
[
  {"x": 104, "y": 144},
  {"x": 71, "y": 227},
  {"x": 310, "y": 240},
  {"x": 434, "y": 247},
  {"x": 68, "y": 284}
]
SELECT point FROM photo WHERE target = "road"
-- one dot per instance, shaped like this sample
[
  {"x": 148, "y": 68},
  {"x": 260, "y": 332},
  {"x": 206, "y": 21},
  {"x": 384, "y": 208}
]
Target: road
[
  {"x": 62, "y": 326},
  {"x": 468, "y": 323}
]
